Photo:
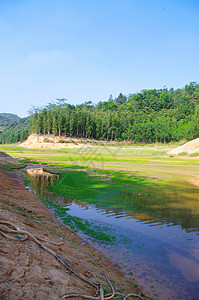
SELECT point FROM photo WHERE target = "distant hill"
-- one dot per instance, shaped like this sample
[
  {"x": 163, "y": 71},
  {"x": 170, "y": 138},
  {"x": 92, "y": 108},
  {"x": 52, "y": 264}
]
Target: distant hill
[
  {"x": 13, "y": 128},
  {"x": 7, "y": 119},
  {"x": 9, "y": 116}
]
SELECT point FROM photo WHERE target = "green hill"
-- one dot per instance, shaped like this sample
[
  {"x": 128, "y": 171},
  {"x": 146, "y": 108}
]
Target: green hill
[
  {"x": 9, "y": 116},
  {"x": 6, "y": 119},
  {"x": 13, "y": 128}
]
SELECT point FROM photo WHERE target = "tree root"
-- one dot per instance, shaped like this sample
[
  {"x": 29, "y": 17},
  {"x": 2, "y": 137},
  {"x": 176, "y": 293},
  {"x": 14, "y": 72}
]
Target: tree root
[
  {"x": 133, "y": 295},
  {"x": 20, "y": 232},
  {"x": 32, "y": 237},
  {"x": 102, "y": 297},
  {"x": 12, "y": 229}
]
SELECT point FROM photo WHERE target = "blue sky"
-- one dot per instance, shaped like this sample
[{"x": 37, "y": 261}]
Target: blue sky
[{"x": 85, "y": 50}]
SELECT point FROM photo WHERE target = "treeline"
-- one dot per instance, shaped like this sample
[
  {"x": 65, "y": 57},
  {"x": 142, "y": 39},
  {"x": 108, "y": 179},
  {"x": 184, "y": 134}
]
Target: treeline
[{"x": 148, "y": 116}]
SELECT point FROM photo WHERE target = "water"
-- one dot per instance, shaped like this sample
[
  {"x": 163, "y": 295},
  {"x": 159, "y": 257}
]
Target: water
[{"x": 157, "y": 237}]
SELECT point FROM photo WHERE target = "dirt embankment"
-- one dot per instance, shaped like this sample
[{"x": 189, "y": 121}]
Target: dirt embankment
[
  {"x": 39, "y": 141},
  {"x": 7, "y": 159},
  {"x": 29, "y": 272}
]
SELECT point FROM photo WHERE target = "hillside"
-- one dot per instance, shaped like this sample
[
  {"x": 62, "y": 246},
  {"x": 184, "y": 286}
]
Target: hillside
[
  {"x": 6, "y": 119},
  {"x": 13, "y": 128},
  {"x": 12, "y": 117}
]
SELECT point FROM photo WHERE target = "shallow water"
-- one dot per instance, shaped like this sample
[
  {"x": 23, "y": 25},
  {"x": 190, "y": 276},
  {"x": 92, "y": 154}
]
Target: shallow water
[{"x": 157, "y": 234}]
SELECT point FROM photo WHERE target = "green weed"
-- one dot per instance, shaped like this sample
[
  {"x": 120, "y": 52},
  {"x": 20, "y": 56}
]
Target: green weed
[
  {"x": 183, "y": 154},
  {"x": 75, "y": 223},
  {"x": 194, "y": 154}
]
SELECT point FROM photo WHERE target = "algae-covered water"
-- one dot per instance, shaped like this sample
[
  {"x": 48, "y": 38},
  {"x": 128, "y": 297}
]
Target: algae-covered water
[{"x": 155, "y": 230}]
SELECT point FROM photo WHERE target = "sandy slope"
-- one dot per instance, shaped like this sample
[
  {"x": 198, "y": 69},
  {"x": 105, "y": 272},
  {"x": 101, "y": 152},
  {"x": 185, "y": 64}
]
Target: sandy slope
[
  {"x": 37, "y": 141},
  {"x": 190, "y": 147}
]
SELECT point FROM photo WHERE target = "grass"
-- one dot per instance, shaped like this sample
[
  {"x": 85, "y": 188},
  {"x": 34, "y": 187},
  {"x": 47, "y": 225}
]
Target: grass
[
  {"x": 10, "y": 167},
  {"x": 102, "y": 156},
  {"x": 94, "y": 189},
  {"x": 138, "y": 178},
  {"x": 142, "y": 197},
  {"x": 183, "y": 154},
  {"x": 194, "y": 154},
  {"x": 146, "y": 160},
  {"x": 12, "y": 147}
]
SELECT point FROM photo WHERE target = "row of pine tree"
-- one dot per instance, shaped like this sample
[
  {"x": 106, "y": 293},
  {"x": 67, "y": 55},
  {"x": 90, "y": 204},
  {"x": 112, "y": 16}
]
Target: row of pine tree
[{"x": 148, "y": 116}]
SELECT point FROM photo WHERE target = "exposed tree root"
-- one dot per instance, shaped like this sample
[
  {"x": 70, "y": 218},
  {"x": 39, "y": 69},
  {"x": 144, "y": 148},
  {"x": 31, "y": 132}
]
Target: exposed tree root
[
  {"x": 9, "y": 229},
  {"x": 133, "y": 295},
  {"x": 102, "y": 297}
]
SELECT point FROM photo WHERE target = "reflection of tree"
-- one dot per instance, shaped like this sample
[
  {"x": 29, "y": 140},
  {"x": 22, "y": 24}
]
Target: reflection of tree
[{"x": 40, "y": 180}]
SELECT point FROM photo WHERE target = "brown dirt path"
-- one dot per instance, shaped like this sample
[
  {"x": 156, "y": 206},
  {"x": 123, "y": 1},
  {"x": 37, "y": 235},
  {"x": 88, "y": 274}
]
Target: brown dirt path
[{"x": 29, "y": 272}]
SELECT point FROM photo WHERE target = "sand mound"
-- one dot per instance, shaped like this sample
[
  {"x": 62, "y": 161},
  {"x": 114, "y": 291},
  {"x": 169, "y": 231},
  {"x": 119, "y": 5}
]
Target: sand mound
[
  {"x": 5, "y": 158},
  {"x": 190, "y": 147},
  {"x": 38, "y": 141}
]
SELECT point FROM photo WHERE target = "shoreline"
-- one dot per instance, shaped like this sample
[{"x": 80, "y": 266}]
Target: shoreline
[{"x": 28, "y": 277}]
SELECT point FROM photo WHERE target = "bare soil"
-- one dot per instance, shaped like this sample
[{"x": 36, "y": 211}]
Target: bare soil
[
  {"x": 29, "y": 272},
  {"x": 189, "y": 148},
  {"x": 39, "y": 141},
  {"x": 7, "y": 159}
]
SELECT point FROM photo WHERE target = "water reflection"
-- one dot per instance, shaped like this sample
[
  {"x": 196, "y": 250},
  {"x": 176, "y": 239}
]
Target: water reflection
[
  {"x": 179, "y": 206},
  {"x": 40, "y": 179},
  {"x": 157, "y": 233}
]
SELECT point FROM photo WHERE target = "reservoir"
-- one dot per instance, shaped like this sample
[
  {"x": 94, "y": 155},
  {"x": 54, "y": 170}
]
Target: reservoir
[{"x": 157, "y": 233}]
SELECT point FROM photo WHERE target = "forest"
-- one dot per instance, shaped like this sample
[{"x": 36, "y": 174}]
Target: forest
[
  {"x": 148, "y": 116},
  {"x": 13, "y": 128}
]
